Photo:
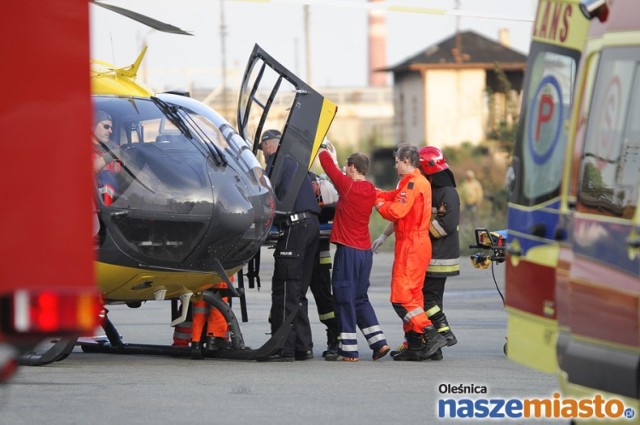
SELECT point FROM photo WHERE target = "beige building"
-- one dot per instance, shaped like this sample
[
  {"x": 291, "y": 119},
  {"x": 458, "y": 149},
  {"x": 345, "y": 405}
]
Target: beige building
[
  {"x": 365, "y": 114},
  {"x": 456, "y": 91},
  {"x": 439, "y": 96}
]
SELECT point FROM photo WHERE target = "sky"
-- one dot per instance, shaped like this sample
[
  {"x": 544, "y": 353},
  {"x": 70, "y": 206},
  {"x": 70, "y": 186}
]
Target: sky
[{"x": 338, "y": 36}]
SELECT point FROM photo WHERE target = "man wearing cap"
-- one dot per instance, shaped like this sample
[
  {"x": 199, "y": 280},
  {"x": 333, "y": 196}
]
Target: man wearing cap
[
  {"x": 104, "y": 163},
  {"x": 294, "y": 257}
]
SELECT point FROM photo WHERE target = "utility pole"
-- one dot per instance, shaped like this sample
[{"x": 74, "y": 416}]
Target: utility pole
[
  {"x": 458, "y": 37},
  {"x": 223, "y": 33},
  {"x": 307, "y": 43}
]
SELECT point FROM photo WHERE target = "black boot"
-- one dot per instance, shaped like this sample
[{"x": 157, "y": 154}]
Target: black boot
[
  {"x": 215, "y": 343},
  {"x": 399, "y": 349},
  {"x": 437, "y": 355},
  {"x": 439, "y": 320},
  {"x": 415, "y": 348},
  {"x": 196, "y": 351},
  {"x": 434, "y": 341},
  {"x": 333, "y": 343}
]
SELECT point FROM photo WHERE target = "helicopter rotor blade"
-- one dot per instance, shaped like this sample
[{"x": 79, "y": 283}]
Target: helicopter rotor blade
[
  {"x": 397, "y": 8},
  {"x": 150, "y": 22}
]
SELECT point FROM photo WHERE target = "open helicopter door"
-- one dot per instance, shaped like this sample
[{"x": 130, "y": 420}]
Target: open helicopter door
[{"x": 272, "y": 97}]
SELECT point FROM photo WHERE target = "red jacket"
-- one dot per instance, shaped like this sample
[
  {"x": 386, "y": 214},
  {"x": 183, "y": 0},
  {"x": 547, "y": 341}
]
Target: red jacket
[{"x": 353, "y": 210}]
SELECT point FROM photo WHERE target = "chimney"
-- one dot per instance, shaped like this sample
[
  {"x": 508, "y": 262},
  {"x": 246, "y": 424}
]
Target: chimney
[
  {"x": 377, "y": 47},
  {"x": 504, "y": 37}
]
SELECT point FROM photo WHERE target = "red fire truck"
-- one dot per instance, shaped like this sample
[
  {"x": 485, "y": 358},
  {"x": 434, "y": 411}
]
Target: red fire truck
[{"x": 47, "y": 286}]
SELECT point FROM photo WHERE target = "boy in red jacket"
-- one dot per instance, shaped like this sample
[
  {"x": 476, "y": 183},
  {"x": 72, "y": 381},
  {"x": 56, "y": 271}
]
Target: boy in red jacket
[{"x": 353, "y": 258}]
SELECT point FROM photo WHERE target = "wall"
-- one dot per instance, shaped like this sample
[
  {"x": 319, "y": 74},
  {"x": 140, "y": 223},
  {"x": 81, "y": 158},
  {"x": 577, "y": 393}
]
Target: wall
[
  {"x": 408, "y": 102},
  {"x": 456, "y": 108}
]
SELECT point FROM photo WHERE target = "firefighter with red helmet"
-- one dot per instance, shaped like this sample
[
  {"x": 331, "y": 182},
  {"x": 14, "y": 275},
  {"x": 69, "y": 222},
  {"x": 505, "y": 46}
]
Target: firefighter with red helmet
[
  {"x": 409, "y": 208},
  {"x": 445, "y": 244}
]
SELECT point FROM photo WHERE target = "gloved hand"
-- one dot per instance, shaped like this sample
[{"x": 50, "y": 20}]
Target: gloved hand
[
  {"x": 326, "y": 144},
  {"x": 378, "y": 242}
]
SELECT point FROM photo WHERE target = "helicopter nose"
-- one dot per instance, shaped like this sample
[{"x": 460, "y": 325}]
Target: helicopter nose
[
  {"x": 239, "y": 225},
  {"x": 233, "y": 215}
]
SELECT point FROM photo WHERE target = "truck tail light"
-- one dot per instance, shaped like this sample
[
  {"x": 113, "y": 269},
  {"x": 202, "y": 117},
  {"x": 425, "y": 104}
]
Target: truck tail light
[{"x": 51, "y": 312}]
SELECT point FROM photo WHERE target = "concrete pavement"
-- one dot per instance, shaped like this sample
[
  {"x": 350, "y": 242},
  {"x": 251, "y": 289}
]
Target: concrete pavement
[{"x": 125, "y": 389}]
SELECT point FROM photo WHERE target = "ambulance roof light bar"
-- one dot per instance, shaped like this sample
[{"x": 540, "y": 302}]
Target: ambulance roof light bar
[{"x": 595, "y": 8}]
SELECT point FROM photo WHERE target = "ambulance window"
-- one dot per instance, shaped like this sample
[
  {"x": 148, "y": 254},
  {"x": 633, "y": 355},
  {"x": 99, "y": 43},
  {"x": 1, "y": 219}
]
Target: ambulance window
[
  {"x": 611, "y": 159},
  {"x": 548, "y": 101}
]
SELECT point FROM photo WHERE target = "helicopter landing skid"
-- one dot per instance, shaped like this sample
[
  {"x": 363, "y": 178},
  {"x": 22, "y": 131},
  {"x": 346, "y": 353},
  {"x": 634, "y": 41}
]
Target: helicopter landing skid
[
  {"x": 48, "y": 351},
  {"x": 272, "y": 346}
]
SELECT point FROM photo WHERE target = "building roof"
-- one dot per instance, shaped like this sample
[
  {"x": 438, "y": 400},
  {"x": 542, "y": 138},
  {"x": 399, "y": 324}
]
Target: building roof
[{"x": 478, "y": 51}]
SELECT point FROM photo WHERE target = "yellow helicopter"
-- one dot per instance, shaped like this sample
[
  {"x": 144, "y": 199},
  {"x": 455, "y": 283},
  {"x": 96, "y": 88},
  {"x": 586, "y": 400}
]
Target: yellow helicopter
[
  {"x": 184, "y": 202},
  {"x": 191, "y": 203}
]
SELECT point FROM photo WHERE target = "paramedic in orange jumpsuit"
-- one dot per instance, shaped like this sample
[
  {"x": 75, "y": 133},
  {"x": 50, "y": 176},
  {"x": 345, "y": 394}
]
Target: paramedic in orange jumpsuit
[
  {"x": 217, "y": 327},
  {"x": 409, "y": 208}
]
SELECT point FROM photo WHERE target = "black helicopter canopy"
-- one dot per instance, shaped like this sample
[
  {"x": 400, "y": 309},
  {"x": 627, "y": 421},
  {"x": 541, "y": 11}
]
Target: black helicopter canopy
[{"x": 186, "y": 188}]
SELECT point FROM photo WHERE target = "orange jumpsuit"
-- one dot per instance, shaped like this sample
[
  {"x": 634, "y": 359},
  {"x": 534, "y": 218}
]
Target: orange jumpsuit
[
  {"x": 409, "y": 208},
  {"x": 216, "y": 323}
]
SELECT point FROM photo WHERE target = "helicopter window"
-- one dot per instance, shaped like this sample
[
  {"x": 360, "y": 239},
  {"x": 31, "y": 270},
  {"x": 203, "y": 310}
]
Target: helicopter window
[
  {"x": 167, "y": 127},
  {"x": 203, "y": 122},
  {"x": 611, "y": 159},
  {"x": 270, "y": 92},
  {"x": 210, "y": 132},
  {"x": 148, "y": 130},
  {"x": 161, "y": 169}
]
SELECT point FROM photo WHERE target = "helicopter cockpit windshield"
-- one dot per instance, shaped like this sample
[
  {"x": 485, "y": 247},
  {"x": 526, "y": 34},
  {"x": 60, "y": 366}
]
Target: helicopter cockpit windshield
[
  {"x": 177, "y": 171},
  {"x": 157, "y": 161}
]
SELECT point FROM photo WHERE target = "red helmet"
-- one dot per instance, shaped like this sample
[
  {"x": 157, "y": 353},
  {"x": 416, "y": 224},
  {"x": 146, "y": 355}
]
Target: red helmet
[{"x": 432, "y": 160}]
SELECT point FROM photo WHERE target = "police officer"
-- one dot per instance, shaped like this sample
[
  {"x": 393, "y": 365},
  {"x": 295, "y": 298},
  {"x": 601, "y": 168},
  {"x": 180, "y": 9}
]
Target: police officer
[{"x": 294, "y": 257}]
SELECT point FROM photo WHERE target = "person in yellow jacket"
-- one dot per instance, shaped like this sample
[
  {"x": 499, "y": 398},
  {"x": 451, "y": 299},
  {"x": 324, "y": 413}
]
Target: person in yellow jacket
[
  {"x": 409, "y": 208},
  {"x": 471, "y": 195}
]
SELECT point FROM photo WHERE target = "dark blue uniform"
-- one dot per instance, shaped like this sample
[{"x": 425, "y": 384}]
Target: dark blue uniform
[{"x": 294, "y": 256}]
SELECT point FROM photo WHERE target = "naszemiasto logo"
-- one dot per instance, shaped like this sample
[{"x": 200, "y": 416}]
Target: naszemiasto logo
[{"x": 554, "y": 407}]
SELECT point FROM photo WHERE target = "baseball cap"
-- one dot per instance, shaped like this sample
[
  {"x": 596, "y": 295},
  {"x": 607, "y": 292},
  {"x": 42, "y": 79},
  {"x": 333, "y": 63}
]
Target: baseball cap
[
  {"x": 100, "y": 116},
  {"x": 270, "y": 134}
]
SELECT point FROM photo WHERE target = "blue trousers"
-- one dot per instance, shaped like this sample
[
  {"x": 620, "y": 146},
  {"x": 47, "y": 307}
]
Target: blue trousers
[{"x": 351, "y": 271}]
